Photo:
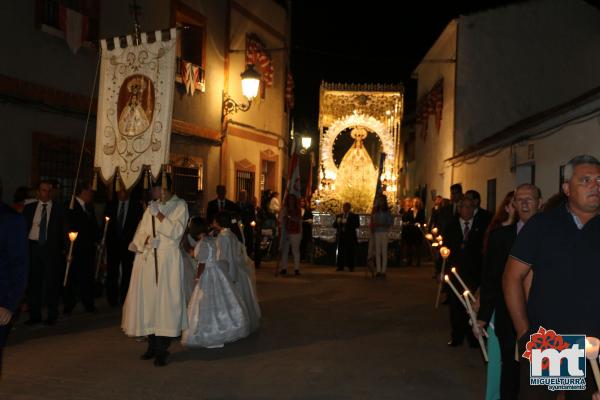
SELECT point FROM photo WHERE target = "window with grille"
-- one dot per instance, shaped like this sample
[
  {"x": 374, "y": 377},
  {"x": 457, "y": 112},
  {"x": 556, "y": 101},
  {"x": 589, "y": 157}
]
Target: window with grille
[
  {"x": 56, "y": 159},
  {"x": 245, "y": 181},
  {"x": 187, "y": 182}
]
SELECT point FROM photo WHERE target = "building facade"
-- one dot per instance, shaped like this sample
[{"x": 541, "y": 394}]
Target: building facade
[
  {"x": 45, "y": 87},
  {"x": 497, "y": 71}
]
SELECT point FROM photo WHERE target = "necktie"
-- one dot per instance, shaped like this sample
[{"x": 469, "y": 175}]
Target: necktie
[
  {"x": 466, "y": 232},
  {"x": 43, "y": 224},
  {"x": 121, "y": 215}
]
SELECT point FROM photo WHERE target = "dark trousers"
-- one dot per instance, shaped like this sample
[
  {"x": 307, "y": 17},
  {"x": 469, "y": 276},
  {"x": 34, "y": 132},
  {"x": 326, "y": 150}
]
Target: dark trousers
[
  {"x": 118, "y": 259},
  {"x": 80, "y": 282},
  {"x": 159, "y": 344},
  {"x": 509, "y": 372},
  {"x": 459, "y": 321},
  {"x": 346, "y": 253},
  {"x": 528, "y": 392},
  {"x": 44, "y": 282},
  {"x": 249, "y": 239}
]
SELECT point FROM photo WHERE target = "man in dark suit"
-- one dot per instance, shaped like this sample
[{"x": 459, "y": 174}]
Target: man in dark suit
[
  {"x": 465, "y": 240},
  {"x": 82, "y": 220},
  {"x": 482, "y": 216},
  {"x": 346, "y": 224},
  {"x": 247, "y": 215},
  {"x": 46, "y": 227},
  {"x": 13, "y": 266},
  {"x": 527, "y": 202},
  {"x": 125, "y": 215},
  {"x": 221, "y": 203}
]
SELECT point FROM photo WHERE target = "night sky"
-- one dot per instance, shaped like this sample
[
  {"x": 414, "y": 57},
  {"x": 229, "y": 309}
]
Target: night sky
[{"x": 365, "y": 42}]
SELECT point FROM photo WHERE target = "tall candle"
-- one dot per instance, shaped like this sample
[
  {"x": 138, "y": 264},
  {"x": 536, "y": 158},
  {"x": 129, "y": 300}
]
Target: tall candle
[
  {"x": 474, "y": 323},
  {"x": 462, "y": 283},
  {"x": 445, "y": 253},
  {"x": 592, "y": 345},
  {"x": 447, "y": 279},
  {"x": 72, "y": 238}
]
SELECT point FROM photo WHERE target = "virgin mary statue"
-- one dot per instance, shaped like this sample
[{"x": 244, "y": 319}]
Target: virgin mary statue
[{"x": 357, "y": 176}]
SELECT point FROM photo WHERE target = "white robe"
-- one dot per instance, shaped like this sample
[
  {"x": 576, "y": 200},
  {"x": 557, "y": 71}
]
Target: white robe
[
  {"x": 150, "y": 308},
  {"x": 241, "y": 272}
]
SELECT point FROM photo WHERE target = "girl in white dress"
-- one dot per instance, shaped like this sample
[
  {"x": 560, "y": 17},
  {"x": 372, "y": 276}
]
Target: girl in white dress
[
  {"x": 216, "y": 313},
  {"x": 239, "y": 267}
]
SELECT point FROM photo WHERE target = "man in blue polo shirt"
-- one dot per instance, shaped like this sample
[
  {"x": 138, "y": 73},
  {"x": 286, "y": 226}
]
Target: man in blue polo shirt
[{"x": 562, "y": 248}]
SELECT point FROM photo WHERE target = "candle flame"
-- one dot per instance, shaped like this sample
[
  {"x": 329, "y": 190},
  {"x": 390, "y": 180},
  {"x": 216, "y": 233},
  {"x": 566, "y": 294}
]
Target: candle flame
[
  {"x": 429, "y": 237},
  {"x": 107, "y": 219},
  {"x": 434, "y": 231},
  {"x": 439, "y": 238},
  {"x": 453, "y": 270},
  {"x": 446, "y": 278},
  {"x": 466, "y": 293},
  {"x": 445, "y": 252},
  {"x": 72, "y": 236},
  {"x": 253, "y": 224}
]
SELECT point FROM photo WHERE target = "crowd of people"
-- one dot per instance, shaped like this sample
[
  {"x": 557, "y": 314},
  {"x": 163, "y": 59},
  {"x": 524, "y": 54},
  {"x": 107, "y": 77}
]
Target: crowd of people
[{"x": 530, "y": 264}]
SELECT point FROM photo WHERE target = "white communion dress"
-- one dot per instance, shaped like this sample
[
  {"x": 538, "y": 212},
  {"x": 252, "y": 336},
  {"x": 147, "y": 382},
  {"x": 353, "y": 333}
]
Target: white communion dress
[
  {"x": 216, "y": 312},
  {"x": 240, "y": 271}
]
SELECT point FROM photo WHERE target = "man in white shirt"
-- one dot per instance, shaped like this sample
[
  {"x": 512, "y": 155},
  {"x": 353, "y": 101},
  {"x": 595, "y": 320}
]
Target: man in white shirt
[{"x": 45, "y": 222}]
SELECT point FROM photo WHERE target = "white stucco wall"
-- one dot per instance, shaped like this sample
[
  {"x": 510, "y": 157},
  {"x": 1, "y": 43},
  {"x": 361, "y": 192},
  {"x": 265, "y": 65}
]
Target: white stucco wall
[
  {"x": 521, "y": 59},
  {"x": 429, "y": 168},
  {"x": 550, "y": 153}
]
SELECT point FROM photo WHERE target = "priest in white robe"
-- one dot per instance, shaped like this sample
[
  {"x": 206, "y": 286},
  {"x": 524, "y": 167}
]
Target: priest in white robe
[{"x": 155, "y": 304}]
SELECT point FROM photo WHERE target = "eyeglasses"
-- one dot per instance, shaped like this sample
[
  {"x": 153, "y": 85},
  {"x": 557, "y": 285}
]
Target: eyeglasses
[{"x": 588, "y": 181}]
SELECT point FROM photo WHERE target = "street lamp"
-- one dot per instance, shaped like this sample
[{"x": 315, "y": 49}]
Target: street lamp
[
  {"x": 306, "y": 142},
  {"x": 250, "y": 85}
]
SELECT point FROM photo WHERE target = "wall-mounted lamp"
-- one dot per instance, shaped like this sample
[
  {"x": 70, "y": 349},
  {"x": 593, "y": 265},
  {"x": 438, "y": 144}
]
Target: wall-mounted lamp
[{"x": 250, "y": 84}]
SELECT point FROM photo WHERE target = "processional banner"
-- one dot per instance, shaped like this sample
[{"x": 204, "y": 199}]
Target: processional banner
[{"x": 135, "y": 104}]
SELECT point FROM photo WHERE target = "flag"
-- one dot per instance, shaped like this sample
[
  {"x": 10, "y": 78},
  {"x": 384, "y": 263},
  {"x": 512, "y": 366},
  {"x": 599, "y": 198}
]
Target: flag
[
  {"x": 309, "y": 183},
  {"x": 189, "y": 76},
  {"x": 257, "y": 55},
  {"x": 431, "y": 104},
  {"x": 74, "y": 25},
  {"x": 293, "y": 178},
  {"x": 289, "y": 92}
]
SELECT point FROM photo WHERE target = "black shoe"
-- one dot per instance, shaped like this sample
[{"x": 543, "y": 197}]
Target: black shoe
[
  {"x": 283, "y": 272},
  {"x": 161, "y": 360},
  {"x": 33, "y": 321},
  {"x": 91, "y": 310},
  {"x": 454, "y": 343},
  {"x": 297, "y": 273},
  {"x": 351, "y": 269},
  {"x": 474, "y": 345},
  {"x": 148, "y": 355},
  {"x": 340, "y": 269},
  {"x": 68, "y": 310},
  {"x": 50, "y": 322},
  {"x": 383, "y": 276}
]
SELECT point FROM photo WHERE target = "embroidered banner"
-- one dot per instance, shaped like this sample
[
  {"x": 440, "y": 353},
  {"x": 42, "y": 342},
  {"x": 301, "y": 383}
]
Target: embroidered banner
[{"x": 135, "y": 103}]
